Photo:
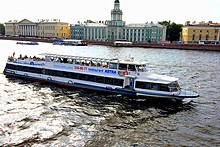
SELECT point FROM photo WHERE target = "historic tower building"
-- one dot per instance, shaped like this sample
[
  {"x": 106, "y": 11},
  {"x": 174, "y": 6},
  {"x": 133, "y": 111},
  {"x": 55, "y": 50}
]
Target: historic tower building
[
  {"x": 116, "y": 24},
  {"x": 115, "y": 29},
  {"x": 116, "y": 13},
  {"x": 116, "y": 16}
]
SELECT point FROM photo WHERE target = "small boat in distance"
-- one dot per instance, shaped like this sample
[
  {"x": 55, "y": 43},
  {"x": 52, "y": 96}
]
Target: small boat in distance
[
  {"x": 122, "y": 43},
  {"x": 69, "y": 42},
  {"x": 126, "y": 77},
  {"x": 28, "y": 43}
]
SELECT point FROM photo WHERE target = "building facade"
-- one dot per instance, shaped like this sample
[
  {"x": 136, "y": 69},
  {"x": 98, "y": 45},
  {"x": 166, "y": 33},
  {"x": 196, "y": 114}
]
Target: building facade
[
  {"x": 200, "y": 32},
  {"x": 116, "y": 28},
  {"x": 43, "y": 28}
]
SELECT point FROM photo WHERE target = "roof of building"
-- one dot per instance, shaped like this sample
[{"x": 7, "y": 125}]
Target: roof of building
[
  {"x": 96, "y": 24},
  {"x": 202, "y": 24},
  {"x": 144, "y": 25}
]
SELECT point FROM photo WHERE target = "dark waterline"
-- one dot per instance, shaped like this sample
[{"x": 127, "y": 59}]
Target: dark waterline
[{"x": 37, "y": 114}]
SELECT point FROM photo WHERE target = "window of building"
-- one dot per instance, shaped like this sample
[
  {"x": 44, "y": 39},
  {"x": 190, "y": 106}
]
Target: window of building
[
  {"x": 207, "y": 37},
  {"x": 200, "y": 37},
  {"x": 193, "y": 37}
]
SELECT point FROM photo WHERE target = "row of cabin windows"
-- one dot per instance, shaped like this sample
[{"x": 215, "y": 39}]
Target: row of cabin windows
[
  {"x": 152, "y": 86},
  {"x": 92, "y": 78},
  {"x": 83, "y": 62},
  {"x": 71, "y": 75}
]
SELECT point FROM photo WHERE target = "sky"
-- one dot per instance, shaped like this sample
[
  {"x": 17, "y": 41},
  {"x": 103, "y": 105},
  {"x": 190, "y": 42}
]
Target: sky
[{"x": 134, "y": 11}]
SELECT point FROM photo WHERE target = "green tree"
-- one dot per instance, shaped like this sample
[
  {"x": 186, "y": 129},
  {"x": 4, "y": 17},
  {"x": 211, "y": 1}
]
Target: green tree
[
  {"x": 2, "y": 29},
  {"x": 173, "y": 30}
]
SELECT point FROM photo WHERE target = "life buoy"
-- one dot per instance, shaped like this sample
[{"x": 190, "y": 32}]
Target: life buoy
[
  {"x": 120, "y": 73},
  {"x": 126, "y": 72},
  {"x": 49, "y": 79},
  {"x": 70, "y": 82}
]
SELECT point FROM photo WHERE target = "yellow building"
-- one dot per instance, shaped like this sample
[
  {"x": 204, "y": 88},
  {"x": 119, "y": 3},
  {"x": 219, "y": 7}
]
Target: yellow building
[
  {"x": 53, "y": 28},
  {"x": 200, "y": 32},
  {"x": 42, "y": 28}
]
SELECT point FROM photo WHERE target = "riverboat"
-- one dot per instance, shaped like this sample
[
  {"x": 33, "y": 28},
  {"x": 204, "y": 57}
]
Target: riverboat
[
  {"x": 70, "y": 42},
  {"x": 122, "y": 44},
  {"x": 28, "y": 43},
  {"x": 125, "y": 77}
]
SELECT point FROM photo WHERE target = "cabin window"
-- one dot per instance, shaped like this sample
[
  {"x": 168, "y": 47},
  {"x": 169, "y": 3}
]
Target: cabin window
[
  {"x": 174, "y": 86},
  {"x": 141, "y": 68},
  {"x": 23, "y": 68},
  {"x": 32, "y": 69},
  {"x": 36, "y": 70},
  {"x": 50, "y": 72},
  {"x": 122, "y": 67},
  {"x": 10, "y": 66},
  {"x": 91, "y": 78},
  {"x": 100, "y": 79},
  {"x": 113, "y": 65},
  {"x": 131, "y": 67},
  {"x": 118, "y": 82},
  {"x": 164, "y": 87},
  {"x": 58, "y": 73},
  {"x": 66, "y": 74},
  {"x": 109, "y": 80},
  {"x": 141, "y": 85},
  {"x": 74, "y": 75},
  {"x": 153, "y": 86},
  {"x": 82, "y": 76}
]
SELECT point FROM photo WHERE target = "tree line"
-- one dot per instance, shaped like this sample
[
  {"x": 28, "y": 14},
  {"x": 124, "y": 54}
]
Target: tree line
[
  {"x": 2, "y": 29},
  {"x": 172, "y": 32}
]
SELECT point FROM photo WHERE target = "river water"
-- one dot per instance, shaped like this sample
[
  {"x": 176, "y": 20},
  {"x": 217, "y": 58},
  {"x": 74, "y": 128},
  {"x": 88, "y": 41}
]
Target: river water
[{"x": 36, "y": 114}]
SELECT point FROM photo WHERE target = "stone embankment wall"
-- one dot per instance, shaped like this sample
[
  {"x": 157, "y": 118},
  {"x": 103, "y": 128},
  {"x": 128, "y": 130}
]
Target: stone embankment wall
[{"x": 209, "y": 47}]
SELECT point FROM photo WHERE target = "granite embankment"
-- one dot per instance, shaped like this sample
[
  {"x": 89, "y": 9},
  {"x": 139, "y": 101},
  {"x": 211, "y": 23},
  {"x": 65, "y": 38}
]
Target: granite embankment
[{"x": 207, "y": 47}]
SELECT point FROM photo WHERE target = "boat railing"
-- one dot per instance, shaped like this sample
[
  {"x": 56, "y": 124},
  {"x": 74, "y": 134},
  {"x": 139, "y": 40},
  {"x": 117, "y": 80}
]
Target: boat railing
[{"x": 27, "y": 60}]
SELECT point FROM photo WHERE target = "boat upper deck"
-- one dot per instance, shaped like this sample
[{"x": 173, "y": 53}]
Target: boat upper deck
[
  {"x": 99, "y": 66},
  {"x": 52, "y": 57}
]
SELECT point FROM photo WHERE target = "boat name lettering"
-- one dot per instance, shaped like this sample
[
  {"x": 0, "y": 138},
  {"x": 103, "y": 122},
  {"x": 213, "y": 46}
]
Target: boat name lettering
[
  {"x": 31, "y": 63},
  {"x": 110, "y": 71},
  {"x": 62, "y": 67},
  {"x": 95, "y": 70},
  {"x": 80, "y": 68},
  {"x": 91, "y": 69}
]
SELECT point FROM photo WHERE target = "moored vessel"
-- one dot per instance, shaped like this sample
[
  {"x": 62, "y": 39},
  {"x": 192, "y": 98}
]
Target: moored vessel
[
  {"x": 126, "y": 77},
  {"x": 28, "y": 43},
  {"x": 69, "y": 42}
]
